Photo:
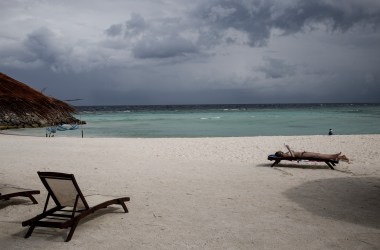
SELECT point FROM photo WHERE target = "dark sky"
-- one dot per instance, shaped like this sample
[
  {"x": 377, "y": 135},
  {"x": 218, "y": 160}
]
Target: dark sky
[{"x": 194, "y": 52}]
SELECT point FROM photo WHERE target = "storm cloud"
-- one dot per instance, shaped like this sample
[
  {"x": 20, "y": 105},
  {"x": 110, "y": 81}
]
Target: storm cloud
[
  {"x": 164, "y": 47},
  {"x": 258, "y": 18},
  {"x": 276, "y": 68},
  {"x": 209, "y": 51}
]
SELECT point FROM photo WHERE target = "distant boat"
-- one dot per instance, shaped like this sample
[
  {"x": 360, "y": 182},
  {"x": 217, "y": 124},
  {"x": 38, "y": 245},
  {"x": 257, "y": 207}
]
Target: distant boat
[{"x": 64, "y": 127}]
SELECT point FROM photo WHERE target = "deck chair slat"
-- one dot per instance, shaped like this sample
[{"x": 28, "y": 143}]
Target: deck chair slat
[
  {"x": 61, "y": 215},
  {"x": 42, "y": 223},
  {"x": 52, "y": 219}
]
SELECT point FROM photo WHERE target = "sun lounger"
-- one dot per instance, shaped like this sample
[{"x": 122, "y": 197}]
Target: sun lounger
[
  {"x": 329, "y": 159},
  {"x": 70, "y": 204},
  {"x": 6, "y": 194},
  {"x": 278, "y": 159}
]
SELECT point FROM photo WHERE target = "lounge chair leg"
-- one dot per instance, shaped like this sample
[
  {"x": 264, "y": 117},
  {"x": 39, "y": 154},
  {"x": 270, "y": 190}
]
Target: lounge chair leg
[
  {"x": 124, "y": 206},
  {"x": 275, "y": 163},
  {"x": 328, "y": 163},
  {"x": 30, "y": 231},
  {"x": 71, "y": 232},
  {"x": 32, "y": 199}
]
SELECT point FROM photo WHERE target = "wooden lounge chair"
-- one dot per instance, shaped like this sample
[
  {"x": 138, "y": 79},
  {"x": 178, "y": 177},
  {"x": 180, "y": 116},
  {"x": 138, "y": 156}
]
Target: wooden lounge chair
[
  {"x": 329, "y": 159},
  {"x": 278, "y": 159},
  {"x": 70, "y": 204},
  {"x": 8, "y": 193}
]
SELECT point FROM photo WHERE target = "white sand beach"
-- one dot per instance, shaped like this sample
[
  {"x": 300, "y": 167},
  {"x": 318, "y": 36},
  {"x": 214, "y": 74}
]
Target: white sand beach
[{"x": 200, "y": 193}]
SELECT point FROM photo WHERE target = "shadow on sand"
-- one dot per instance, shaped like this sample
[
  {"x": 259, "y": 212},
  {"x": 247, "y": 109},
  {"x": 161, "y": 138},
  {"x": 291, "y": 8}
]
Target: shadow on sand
[
  {"x": 352, "y": 199},
  {"x": 296, "y": 165},
  {"x": 15, "y": 201}
]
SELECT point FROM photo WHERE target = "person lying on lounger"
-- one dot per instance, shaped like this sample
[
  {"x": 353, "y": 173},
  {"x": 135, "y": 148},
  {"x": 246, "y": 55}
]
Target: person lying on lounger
[{"x": 304, "y": 154}]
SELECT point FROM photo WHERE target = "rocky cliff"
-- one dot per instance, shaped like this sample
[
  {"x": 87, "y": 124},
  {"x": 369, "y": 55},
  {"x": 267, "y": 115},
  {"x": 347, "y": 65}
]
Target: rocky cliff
[{"x": 21, "y": 106}]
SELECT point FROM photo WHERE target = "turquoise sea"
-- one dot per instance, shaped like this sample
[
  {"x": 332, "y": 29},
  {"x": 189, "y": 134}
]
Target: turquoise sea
[{"x": 222, "y": 120}]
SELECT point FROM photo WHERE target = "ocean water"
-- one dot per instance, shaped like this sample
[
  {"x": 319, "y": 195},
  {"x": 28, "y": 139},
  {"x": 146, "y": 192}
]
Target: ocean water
[{"x": 222, "y": 120}]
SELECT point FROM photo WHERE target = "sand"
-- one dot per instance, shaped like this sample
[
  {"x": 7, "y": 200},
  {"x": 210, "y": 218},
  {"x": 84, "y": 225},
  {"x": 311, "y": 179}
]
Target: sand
[{"x": 200, "y": 193}]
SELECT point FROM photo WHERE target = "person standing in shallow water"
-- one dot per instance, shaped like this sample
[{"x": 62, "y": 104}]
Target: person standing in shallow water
[{"x": 330, "y": 132}]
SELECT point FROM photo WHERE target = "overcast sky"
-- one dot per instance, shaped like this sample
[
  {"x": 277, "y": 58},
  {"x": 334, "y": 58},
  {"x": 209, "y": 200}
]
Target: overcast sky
[{"x": 194, "y": 52}]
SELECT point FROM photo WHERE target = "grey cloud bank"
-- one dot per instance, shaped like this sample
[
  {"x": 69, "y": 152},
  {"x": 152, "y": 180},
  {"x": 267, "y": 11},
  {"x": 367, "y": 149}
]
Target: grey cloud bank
[{"x": 177, "y": 52}]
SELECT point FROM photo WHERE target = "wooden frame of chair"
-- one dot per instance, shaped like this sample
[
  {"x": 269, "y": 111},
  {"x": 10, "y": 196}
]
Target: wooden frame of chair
[
  {"x": 62, "y": 215},
  {"x": 278, "y": 159},
  {"x": 24, "y": 193}
]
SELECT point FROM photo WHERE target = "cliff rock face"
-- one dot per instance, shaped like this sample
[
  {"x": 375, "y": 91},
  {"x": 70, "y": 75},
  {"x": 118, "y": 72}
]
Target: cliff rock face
[{"x": 23, "y": 107}]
